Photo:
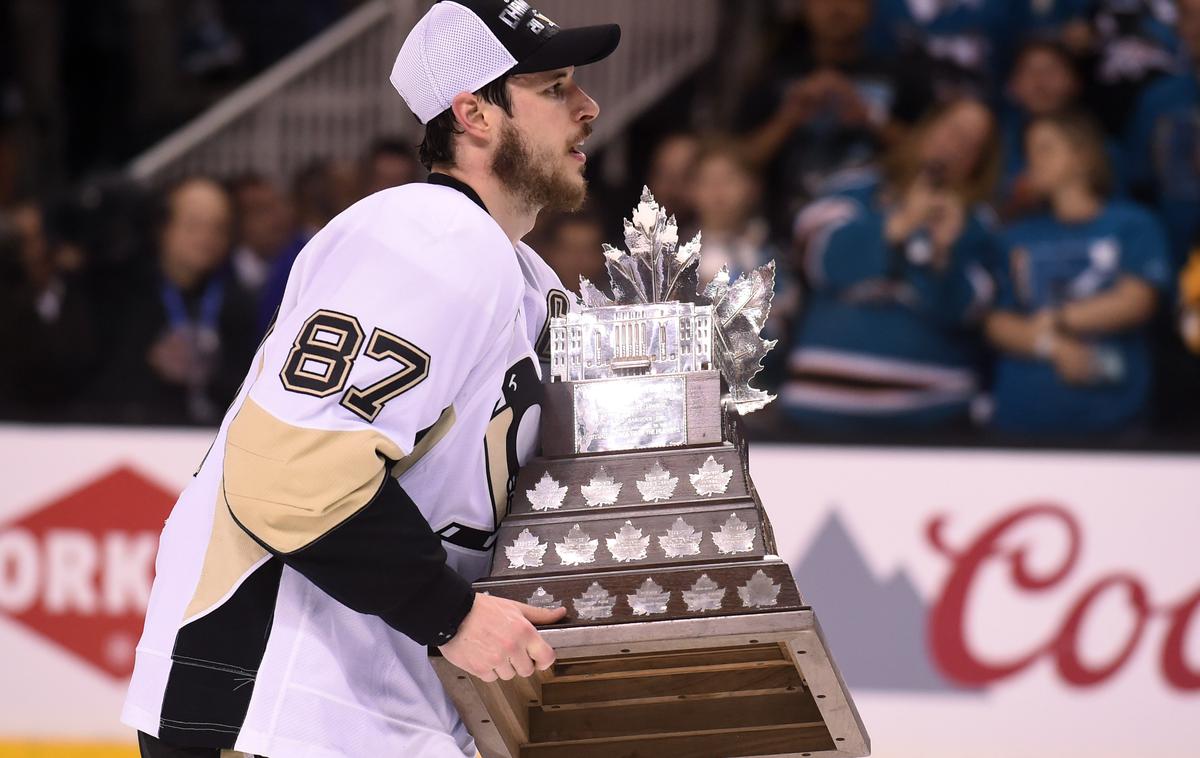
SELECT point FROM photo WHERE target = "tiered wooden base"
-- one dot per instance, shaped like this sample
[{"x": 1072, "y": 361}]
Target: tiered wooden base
[
  {"x": 685, "y": 635},
  {"x": 750, "y": 685}
]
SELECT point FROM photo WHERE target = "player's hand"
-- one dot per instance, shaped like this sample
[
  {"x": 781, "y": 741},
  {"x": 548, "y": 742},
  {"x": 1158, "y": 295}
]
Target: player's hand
[{"x": 497, "y": 639}]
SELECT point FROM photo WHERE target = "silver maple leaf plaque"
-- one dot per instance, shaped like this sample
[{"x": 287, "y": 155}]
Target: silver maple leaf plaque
[
  {"x": 542, "y": 599},
  {"x": 596, "y": 603},
  {"x": 628, "y": 544},
  {"x": 525, "y": 551},
  {"x": 680, "y": 540},
  {"x": 705, "y": 595},
  {"x": 576, "y": 548},
  {"x": 547, "y": 494},
  {"x": 735, "y": 536},
  {"x": 649, "y": 599},
  {"x": 601, "y": 490},
  {"x": 658, "y": 484},
  {"x": 711, "y": 478},
  {"x": 759, "y": 592}
]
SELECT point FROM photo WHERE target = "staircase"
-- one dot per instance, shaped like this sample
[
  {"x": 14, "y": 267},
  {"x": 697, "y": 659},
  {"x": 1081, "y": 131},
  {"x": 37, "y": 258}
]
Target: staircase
[{"x": 331, "y": 97}]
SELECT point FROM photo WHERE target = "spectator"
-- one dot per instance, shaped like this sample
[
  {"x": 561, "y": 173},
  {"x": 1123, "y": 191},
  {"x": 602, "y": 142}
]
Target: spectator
[
  {"x": 183, "y": 331},
  {"x": 726, "y": 195},
  {"x": 1046, "y": 79},
  {"x": 968, "y": 43},
  {"x": 320, "y": 191},
  {"x": 1063, "y": 19},
  {"x": 389, "y": 162},
  {"x": 46, "y": 318},
  {"x": 670, "y": 175},
  {"x": 897, "y": 278},
  {"x": 829, "y": 110},
  {"x": 1077, "y": 288},
  {"x": 265, "y": 226},
  {"x": 1163, "y": 141},
  {"x": 571, "y": 244}
]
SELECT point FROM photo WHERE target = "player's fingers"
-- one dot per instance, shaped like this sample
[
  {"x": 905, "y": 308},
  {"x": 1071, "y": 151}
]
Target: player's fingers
[
  {"x": 541, "y": 653},
  {"x": 542, "y": 615},
  {"x": 505, "y": 671},
  {"x": 487, "y": 676},
  {"x": 522, "y": 664}
]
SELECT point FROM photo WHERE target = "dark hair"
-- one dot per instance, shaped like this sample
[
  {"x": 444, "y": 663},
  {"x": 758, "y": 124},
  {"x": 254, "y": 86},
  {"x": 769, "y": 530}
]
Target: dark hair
[
  {"x": 438, "y": 145},
  {"x": 391, "y": 146},
  {"x": 244, "y": 181},
  {"x": 1056, "y": 48},
  {"x": 1087, "y": 138}
]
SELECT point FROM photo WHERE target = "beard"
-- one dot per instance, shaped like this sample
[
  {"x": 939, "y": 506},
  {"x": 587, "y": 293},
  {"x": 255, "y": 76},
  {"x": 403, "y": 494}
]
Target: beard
[{"x": 536, "y": 177}]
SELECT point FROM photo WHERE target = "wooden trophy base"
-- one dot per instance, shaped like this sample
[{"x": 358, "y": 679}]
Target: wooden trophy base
[{"x": 760, "y": 684}]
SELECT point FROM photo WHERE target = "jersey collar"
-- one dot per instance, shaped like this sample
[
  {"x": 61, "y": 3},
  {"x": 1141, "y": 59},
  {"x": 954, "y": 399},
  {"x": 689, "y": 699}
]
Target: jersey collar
[{"x": 445, "y": 180}]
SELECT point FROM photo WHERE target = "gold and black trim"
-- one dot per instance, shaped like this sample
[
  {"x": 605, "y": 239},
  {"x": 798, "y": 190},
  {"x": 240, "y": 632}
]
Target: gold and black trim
[
  {"x": 522, "y": 391},
  {"x": 558, "y": 305},
  {"x": 337, "y": 356},
  {"x": 366, "y": 403}
]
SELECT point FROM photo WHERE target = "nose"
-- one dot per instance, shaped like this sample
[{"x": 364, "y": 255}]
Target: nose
[{"x": 589, "y": 109}]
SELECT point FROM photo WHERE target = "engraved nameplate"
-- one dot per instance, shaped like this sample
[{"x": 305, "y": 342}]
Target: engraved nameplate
[{"x": 627, "y": 414}]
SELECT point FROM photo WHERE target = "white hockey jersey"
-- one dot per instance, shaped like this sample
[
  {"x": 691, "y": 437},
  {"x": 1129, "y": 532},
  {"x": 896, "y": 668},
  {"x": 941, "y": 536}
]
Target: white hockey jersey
[{"x": 373, "y": 444}]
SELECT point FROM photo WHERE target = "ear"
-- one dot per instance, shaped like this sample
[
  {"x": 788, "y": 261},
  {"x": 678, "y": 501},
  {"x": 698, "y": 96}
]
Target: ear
[{"x": 471, "y": 114}]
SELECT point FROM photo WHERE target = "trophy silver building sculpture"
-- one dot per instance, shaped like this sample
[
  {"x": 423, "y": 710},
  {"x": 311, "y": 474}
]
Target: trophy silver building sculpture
[{"x": 685, "y": 633}]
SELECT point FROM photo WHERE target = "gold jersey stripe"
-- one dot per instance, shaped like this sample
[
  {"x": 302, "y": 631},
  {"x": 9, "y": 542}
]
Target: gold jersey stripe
[
  {"x": 289, "y": 485},
  {"x": 229, "y": 557}
]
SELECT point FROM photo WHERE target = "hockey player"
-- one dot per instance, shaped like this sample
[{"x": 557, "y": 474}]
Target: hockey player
[{"x": 357, "y": 482}]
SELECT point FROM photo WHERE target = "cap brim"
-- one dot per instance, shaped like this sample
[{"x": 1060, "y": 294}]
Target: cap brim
[{"x": 572, "y": 47}]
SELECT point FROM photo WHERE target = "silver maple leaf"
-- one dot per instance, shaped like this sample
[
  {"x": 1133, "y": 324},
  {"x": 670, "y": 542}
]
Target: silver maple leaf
[
  {"x": 526, "y": 551},
  {"x": 546, "y": 495},
  {"x": 649, "y": 598},
  {"x": 658, "y": 484},
  {"x": 735, "y": 536},
  {"x": 628, "y": 544},
  {"x": 542, "y": 599},
  {"x": 740, "y": 310},
  {"x": 596, "y": 603},
  {"x": 591, "y": 294},
  {"x": 705, "y": 595},
  {"x": 711, "y": 478},
  {"x": 601, "y": 490},
  {"x": 680, "y": 540},
  {"x": 576, "y": 548},
  {"x": 653, "y": 269},
  {"x": 759, "y": 592}
]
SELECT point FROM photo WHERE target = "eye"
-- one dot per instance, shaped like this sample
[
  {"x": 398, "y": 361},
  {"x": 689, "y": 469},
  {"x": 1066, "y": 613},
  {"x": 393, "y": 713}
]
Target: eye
[{"x": 556, "y": 90}]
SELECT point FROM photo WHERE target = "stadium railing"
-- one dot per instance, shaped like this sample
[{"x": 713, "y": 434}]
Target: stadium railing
[{"x": 331, "y": 97}]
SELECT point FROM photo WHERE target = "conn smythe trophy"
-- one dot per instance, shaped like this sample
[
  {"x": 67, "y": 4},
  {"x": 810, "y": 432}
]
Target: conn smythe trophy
[{"x": 685, "y": 634}]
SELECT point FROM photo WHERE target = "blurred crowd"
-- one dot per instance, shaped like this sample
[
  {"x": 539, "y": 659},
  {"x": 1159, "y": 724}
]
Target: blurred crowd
[{"x": 985, "y": 216}]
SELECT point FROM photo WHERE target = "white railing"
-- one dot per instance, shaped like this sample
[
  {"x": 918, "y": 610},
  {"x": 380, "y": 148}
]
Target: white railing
[{"x": 331, "y": 97}]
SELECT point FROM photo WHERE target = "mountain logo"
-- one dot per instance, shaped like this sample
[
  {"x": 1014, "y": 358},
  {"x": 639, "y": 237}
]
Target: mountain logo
[{"x": 877, "y": 629}]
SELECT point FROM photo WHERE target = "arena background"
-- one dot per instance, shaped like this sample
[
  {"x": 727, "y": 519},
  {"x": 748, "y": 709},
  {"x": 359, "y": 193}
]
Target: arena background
[{"x": 1003, "y": 566}]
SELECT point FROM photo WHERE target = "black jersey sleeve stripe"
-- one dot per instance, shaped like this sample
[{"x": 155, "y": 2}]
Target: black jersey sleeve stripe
[
  {"x": 324, "y": 502},
  {"x": 386, "y": 561}
]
